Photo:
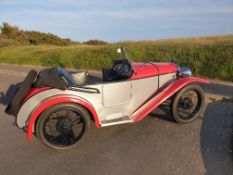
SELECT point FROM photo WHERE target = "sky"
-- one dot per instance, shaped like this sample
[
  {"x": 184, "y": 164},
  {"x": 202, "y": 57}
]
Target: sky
[{"x": 117, "y": 20}]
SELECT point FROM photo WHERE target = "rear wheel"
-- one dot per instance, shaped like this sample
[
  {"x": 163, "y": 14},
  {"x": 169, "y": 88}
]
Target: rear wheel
[
  {"x": 62, "y": 126},
  {"x": 188, "y": 104}
]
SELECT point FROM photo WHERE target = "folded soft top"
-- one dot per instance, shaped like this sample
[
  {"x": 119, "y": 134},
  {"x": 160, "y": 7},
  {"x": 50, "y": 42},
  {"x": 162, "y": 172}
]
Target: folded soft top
[
  {"x": 50, "y": 77},
  {"x": 47, "y": 77}
]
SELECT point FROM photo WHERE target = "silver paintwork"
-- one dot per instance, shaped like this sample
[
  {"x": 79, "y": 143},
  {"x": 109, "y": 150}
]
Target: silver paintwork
[
  {"x": 122, "y": 119},
  {"x": 164, "y": 79},
  {"x": 33, "y": 102},
  {"x": 117, "y": 93},
  {"x": 114, "y": 104}
]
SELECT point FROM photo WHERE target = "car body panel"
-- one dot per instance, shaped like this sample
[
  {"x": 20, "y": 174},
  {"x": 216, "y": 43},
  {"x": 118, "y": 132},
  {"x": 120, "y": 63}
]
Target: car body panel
[
  {"x": 144, "y": 70},
  {"x": 35, "y": 91},
  {"x": 163, "y": 95},
  {"x": 34, "y": 102},
  {"x": 150, "y": 69},
  {"x": 166, "y": 68},
  {"x": 117, "y": 93},
  {"x": 114, "y": 102},
  {"x": 140, "y": 91},
  {"x": 47, "y": 103}
]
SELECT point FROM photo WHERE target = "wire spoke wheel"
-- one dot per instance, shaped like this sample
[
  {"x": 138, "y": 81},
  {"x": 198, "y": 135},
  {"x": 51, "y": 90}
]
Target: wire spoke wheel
[
  {"x": 62, "y": 126},
  {"x": 188, "y": 104}
]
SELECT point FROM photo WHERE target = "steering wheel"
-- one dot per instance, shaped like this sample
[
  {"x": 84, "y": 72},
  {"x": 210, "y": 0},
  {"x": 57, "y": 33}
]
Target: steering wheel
[
  {"x": 122, "y": 69},
  {"x": 117, "y": 70}
]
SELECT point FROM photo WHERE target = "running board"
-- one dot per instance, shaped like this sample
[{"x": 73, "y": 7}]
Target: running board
[{"x": 121, "y": 120}]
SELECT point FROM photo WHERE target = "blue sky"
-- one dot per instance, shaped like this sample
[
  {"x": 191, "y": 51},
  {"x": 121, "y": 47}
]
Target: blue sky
[{"x": 113, "y": 20}]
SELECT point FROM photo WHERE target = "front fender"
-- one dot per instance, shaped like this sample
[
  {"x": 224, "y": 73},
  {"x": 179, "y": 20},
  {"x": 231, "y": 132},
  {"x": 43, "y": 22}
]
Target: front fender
[
  {"x": 163, "y": 95},
  {"x": 57, "y": 100}
]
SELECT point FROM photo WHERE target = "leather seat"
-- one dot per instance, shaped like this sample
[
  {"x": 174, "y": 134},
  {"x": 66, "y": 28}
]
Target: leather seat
[
  {"x": 107, "y": 74},
  {"x": 66, "y": 75}
]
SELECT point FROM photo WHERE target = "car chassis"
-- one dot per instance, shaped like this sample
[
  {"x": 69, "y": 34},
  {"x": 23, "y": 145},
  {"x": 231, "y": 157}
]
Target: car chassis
[{"x": 58, "y": 108}]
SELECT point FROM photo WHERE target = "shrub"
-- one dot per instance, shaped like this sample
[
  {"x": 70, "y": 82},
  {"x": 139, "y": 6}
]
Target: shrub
[
  {"x": 33, "y": 37},
  {"x": 95, "y": 42}
]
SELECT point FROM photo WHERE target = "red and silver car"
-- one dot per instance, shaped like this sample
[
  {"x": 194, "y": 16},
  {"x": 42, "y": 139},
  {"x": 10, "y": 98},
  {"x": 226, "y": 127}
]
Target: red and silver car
[{"x": 58, "y": 106}]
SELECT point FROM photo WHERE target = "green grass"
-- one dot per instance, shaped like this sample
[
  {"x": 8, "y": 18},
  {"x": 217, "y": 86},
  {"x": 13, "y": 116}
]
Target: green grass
[{"x": 210, "y": 57}]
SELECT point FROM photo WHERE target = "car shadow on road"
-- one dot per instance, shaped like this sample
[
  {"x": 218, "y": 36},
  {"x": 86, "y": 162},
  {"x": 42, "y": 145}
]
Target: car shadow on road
[
  {"x": 5, "y": 98},
  {"x": 163, "y": 112},
  {"x": 216, "y": 135},
  {"x": 216, "y": 138}
]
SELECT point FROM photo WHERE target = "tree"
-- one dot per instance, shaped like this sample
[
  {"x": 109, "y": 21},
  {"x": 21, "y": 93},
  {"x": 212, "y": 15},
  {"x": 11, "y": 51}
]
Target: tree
[
  {"x": 95, "y": 42},
  {"x": 11, "y": 31}
]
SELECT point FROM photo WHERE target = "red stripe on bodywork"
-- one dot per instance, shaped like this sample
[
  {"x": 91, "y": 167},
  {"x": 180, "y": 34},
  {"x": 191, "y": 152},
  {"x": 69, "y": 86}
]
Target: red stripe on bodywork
[
  {"x": 144, "y": 70},
  {"x": 35, "y": 91},
  {"x": 57, "y": 100},
  {"x": 166, "y": 68},
  {"x": 160, "y": 97}
]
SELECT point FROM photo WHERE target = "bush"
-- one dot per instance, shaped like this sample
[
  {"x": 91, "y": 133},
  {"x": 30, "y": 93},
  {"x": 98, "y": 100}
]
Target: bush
[
  {"x": 32, "y": 37},
  {"x": 95, "y": 42},
  {"x": 10, "y": 31}
]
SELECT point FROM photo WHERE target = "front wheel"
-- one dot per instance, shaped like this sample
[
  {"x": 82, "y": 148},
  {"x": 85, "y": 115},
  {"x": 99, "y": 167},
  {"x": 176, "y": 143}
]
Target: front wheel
[
  {"x": 188, "y": 104},
  {"x": 62, "y": 126}
]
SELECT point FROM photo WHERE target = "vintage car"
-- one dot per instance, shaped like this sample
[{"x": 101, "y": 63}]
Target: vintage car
[{"x": 58, "y": 105}]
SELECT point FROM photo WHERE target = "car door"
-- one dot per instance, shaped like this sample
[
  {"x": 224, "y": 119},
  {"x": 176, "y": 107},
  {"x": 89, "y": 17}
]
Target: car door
[
  {"x": 116, "y": 97},
  {"x": 121, "y": 99},
  {"x": 117, "y": 93},
  {"x": 142, "y": 90}
]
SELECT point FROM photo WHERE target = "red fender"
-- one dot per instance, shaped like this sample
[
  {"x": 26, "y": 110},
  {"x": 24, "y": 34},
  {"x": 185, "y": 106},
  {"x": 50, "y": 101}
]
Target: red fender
[
  {"x": 163, "y": 95},
  {"x": 35, "y": 91},
  {"x": 57, "y": 100}
]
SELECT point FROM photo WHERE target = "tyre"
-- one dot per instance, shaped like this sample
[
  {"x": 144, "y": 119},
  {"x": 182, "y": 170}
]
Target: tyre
[
  {"x": 188, "y": 104},
  {"x": 62, "y": 126}
]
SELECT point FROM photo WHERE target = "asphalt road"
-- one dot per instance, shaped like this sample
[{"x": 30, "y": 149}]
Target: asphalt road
[{"x": 156, "y": 145}]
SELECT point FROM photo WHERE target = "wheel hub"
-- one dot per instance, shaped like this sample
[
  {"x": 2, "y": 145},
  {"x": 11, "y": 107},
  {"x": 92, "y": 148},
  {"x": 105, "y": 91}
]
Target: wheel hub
[
  {"x": 64, "y": 125},
  {"x": 187, "y": 103}
]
